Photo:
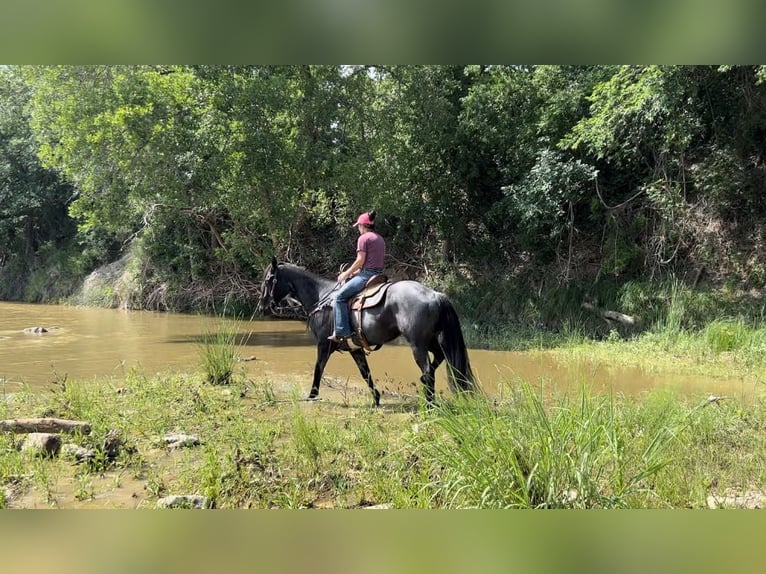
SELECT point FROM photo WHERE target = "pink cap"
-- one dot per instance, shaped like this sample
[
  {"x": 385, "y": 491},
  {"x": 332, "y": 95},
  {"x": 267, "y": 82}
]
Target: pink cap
[{"x": 363, "y": 219}]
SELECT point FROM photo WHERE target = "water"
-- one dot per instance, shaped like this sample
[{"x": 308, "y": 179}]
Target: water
[{"x": 88, "y": 344}]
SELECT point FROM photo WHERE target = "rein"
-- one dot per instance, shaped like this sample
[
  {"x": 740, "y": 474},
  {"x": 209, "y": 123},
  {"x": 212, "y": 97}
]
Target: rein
[{"x": 324, "y": 301}]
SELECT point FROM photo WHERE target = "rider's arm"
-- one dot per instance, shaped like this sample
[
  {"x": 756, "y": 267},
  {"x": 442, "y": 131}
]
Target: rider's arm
[{"x": 356, "y": 266}]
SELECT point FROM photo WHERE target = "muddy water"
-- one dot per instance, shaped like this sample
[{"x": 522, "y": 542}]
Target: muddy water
[{"x": 92, "y": 344}]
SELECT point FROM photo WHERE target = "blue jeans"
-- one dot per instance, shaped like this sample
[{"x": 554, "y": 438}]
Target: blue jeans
[{"x": 346, "y": 292}]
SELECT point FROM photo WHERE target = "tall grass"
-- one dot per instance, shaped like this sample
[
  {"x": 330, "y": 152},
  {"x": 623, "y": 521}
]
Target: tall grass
[
  {"x": 673, "y": 321},
  {"x": 528, "y": 454},
  {"x": 219, "y": 353},
  {"x": 511, "y": 315},
  {"x": 726, "y": 336}
]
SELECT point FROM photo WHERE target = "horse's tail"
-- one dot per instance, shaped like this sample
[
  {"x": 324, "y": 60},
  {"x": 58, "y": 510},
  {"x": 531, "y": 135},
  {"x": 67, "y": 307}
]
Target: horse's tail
[{"x": 459, "y": 367}]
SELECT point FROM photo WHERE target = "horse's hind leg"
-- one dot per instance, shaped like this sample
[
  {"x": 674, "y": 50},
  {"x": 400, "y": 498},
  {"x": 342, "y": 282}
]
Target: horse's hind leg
[
  {"x": 438, "y": 353},
  {"x": 364, "y": 369},
  {"x": 427, "y": 378}
]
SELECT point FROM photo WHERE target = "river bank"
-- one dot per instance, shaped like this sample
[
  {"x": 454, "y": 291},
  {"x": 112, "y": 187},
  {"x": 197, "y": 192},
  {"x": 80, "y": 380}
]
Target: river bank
[{"x": 255, "y": 443}]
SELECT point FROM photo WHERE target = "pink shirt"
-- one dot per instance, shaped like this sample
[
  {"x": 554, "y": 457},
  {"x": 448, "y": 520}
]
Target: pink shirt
[{"x": 375, "y": 248}]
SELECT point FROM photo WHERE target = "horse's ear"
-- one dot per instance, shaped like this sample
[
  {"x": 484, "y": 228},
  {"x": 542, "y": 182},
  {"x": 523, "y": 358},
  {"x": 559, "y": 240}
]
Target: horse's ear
[{"x": 274, "y": 263}]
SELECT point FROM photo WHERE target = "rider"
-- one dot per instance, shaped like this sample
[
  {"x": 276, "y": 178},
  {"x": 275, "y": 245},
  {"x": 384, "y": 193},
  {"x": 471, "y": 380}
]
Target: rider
[{"x": 370, "y": 252}]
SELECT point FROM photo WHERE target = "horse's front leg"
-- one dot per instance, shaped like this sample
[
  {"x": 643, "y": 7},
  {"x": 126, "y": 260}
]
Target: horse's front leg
[
  {"x": 324, "y": 350},
  {"x": 360, "y": 358}
]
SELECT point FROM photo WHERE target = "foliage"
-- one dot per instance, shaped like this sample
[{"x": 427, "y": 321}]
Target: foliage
[
  {"x": 33, "y": 205},
  {"x": 568, "y": 174},
  {"x": 542, "y": 202}
]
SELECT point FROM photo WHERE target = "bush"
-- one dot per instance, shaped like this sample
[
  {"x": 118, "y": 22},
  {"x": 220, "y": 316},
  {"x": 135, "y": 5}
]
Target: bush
[{"x": 724, "y": 335}]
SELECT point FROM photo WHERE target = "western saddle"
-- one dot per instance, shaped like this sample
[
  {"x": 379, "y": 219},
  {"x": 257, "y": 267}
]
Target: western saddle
[{"x": 370, "y": 296}]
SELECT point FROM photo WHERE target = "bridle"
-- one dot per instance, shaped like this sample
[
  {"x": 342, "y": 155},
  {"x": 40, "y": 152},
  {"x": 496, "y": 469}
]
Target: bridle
[{"x": 270, "y": 285}]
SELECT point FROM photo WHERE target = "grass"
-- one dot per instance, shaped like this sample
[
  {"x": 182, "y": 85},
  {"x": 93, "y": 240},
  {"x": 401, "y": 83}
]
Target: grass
[
  {"x": 720, "y": 333},
  {"x": 555, "y": 452},
  {"x": 219, "y": 353},
  {"x": 507, "y": 315},
  {"x": 532, "y": 448}
]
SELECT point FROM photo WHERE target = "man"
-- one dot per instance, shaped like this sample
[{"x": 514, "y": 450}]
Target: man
[{"x": 370, "y": 253}]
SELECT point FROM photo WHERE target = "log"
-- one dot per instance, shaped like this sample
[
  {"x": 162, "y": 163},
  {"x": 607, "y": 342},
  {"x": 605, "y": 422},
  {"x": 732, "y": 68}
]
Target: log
[
  {"x": 45, "y": 425},
  {"x": 611, "y": 315},
  {"x": 619, "y": 317}
]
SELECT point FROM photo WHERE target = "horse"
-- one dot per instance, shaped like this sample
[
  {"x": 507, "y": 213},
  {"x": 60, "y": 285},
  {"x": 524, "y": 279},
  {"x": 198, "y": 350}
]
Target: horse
[{"x": 425, "y": 318}]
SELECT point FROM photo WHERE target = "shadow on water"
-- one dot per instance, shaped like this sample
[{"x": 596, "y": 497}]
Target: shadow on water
[{"x": 252, "y": 339}]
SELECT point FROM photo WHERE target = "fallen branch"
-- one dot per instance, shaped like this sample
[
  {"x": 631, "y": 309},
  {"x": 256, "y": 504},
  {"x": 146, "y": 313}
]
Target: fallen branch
[
  {"x": 611, "y": 315},
  {"x": 45, "y": 425}
]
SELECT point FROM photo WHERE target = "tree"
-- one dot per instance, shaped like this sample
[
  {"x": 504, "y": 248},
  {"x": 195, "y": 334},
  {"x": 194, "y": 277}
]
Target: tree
[{"x": 33, "y": 201}]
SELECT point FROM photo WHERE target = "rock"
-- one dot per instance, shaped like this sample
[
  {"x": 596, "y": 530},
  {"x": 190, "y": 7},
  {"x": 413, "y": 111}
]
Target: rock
[
  {"x": 107, "y": 286},
  {"x": 36, "y": 330},
  {"x": 42, "y": 444},
  {"x": 113, "y": 444},
  {"x": 732, "y": 499},
  {"x": 180, "y": 440},
  {"x": 185, "y": 501},
  {"x": 382, "y": 506},
  {"x": 78, "y": 453}
]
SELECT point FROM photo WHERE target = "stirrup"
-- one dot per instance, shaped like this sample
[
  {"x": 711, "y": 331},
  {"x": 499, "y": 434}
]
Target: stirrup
[{"x": 337, "y": 338}]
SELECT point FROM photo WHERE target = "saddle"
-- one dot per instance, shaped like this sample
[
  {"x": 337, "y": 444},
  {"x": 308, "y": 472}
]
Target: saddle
[
  {"x": 370, "y": 296},
  {"x": 372, "y": 293}
]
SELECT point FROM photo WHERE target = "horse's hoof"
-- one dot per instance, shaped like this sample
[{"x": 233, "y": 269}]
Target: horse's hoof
[{"x": 314, "y": 398}]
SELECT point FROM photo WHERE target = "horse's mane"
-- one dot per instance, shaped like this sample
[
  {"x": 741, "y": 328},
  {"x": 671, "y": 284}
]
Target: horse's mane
[
  {"x": 303, "y": 271},
  {"x": 321, "y": 283}
]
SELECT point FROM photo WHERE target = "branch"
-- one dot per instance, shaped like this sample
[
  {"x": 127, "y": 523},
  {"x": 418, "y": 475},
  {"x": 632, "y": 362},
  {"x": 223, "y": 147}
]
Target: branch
[
  {"x": 608, "y": 315},
  {"x": 618, "y": 206}
]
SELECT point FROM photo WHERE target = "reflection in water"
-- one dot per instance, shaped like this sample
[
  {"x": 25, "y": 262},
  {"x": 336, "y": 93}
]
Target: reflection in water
[{"x": 91, "y": 344}]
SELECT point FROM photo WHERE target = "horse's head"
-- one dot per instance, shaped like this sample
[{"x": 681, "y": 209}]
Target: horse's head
[{"x": 275, "y": 287}]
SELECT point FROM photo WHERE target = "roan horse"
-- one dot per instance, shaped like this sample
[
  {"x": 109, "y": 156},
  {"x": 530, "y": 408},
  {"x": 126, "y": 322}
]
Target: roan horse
[{"x": 425, "y": 318}]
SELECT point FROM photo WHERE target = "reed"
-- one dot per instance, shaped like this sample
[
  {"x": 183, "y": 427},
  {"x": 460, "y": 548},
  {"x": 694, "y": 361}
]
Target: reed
[{"x": 219, "y": 353}]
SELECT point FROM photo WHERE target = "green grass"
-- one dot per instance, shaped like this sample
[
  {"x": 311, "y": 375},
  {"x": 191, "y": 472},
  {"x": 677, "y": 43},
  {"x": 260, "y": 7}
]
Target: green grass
[
  {"x": 262, "y": 447},
  {"x": 507, "y": 315},
  {"x": 537, "y": 452},
  {"x": 219, "y": 353}
]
